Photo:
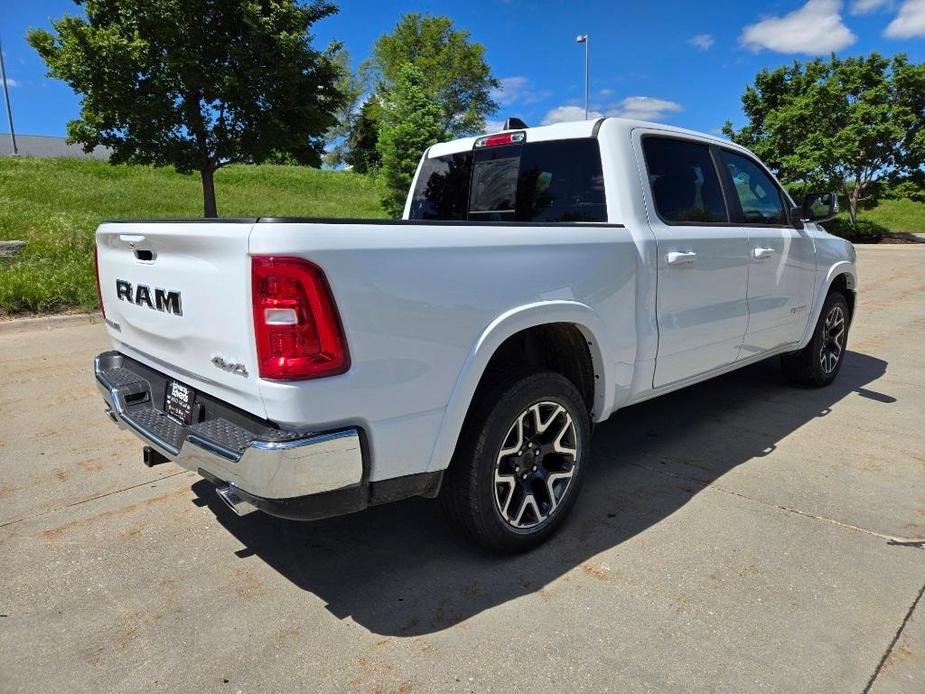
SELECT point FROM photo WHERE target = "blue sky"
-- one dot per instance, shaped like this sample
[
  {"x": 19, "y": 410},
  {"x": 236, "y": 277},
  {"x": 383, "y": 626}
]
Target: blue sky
[{"x": 676, "y": 61}]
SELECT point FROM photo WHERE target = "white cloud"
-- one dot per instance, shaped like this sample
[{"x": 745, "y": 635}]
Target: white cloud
[
  {"x": 10, "y": 82},
  {"x": 702, "y": 42},
  {"x": 518, "y": 90},
  {"x": 645, "y": 108},
  {"x": 511, "y": 89},
  {"x": 814, "y": 29},
  {"x": 606, "y": 92},
  {"x": 564, "y": 114},
  {"x": 909, "y": 22},
  {"x": 867, "y": 6},
  {"x": 635, "y": 107},
  {"x": 493, "y": 126}
]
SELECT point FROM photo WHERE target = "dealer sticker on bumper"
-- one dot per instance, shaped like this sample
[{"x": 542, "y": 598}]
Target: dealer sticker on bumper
[{"x": 178, "y": 402}]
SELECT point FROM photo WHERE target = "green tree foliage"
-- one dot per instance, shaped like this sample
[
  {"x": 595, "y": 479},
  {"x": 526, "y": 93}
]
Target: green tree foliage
[
  {"x": 361, "y": 153},
  {"x": 846, "y": 123},
  {"x": 352, "y": 87},
  {"x": 196, "y": 84},
  {"x": 456, "y": 76},
  {"x": 410, "y": 123}
]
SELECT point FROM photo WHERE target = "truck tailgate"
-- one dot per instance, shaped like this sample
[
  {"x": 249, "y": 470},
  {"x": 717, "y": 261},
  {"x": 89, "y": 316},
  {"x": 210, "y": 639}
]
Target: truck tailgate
[{"x": 177, "y": 297}]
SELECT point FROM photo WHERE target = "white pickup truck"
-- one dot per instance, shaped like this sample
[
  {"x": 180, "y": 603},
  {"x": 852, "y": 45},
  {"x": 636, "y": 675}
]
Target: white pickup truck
[{"x": 540, "y": 280}]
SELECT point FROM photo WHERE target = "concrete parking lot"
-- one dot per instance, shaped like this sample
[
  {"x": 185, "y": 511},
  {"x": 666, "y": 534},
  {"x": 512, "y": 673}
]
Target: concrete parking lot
[{"x": 741, "y": 535}]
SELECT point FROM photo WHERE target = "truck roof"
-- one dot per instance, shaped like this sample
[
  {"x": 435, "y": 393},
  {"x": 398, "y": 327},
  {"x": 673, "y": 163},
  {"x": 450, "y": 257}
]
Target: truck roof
[{"x": 570, "y": 130}]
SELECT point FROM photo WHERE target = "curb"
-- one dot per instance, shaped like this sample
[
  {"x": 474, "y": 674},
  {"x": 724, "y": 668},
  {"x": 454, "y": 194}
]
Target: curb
[
  {"x": 22, "y": 325},
  {"x": 889, "y": 246}
]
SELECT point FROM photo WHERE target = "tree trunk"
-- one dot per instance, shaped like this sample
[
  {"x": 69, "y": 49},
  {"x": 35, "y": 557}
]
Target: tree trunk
[
  {"x": 853, "y": 199},
  {"x": 208, "y": 192}
]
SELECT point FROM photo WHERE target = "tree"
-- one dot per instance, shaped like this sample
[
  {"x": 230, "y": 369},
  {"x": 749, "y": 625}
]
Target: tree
[
  {"x": 846, "y": 123},
  {"x": 197, "y": 84},
  {"x": 455, "y": 73},
  {"x": 411, "y": 122},
  {"x": 351, "y": 86},
  {"x": 361, "y": 152}
]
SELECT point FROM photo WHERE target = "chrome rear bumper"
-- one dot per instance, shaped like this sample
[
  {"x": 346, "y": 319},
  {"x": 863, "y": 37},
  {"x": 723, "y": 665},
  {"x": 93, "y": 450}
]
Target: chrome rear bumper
[{"x": 272, "y": 469}]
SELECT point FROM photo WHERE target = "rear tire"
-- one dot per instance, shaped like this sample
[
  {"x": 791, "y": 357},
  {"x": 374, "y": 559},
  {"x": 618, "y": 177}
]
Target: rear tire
[
  {"x": 818, "y": 363},
  {"x": 519, "y": 462}
]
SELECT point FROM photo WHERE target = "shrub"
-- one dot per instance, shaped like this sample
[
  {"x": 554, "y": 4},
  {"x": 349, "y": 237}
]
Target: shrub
[
  {"x": 865, "y": 231},
  {"x": 906, "y": 189}
]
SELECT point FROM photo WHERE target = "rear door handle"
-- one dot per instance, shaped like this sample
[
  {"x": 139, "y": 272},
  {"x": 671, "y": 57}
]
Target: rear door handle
[
  {"x": 762, "y": 253},
  {"x": 681, "y": 257}
]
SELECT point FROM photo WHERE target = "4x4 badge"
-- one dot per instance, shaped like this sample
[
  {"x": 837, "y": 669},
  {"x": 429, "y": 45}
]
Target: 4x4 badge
[{"x": 231, "y": 367}]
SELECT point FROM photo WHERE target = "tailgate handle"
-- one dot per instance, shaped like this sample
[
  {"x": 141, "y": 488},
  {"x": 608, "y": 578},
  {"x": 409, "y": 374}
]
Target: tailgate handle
[{"x": 131, "y": 239}]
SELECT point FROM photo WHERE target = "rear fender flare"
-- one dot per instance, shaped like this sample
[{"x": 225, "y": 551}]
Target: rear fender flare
[{"x": 499, "y": 330}]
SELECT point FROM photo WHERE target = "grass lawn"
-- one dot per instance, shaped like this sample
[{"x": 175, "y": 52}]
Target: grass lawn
[
  {"x": 56, "y": 204},
  {"x": 898, "y": 215}
]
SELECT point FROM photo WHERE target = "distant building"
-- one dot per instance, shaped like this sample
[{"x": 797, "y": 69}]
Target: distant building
[{"x": 48, "y": 147}]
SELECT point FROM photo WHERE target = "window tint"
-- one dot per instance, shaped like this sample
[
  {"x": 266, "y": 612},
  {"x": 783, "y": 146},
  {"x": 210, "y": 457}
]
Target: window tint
[
  {"x": 494, "y": 183},
  {"x": 757, "y": 194},
  {"x": 561, "y": 181},
  {"x": 442, "y": 190},
  {"x": 557, "y": 181},
  {"x": 684, "y": 181}
]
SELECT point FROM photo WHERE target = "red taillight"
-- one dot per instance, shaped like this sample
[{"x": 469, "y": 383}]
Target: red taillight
[
  {"x": 500, "y": 139},
  {"x": 298, "y": 330},
  {"x": 96, "y": 267}
]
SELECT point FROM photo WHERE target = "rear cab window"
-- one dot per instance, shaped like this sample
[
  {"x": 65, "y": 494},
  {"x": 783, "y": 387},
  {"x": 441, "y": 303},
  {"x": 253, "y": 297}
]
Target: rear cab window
[
  {"x": 493, "y": 190},
  {"x": 540, "y": 182},
  {"x": 442, "y": 191}
]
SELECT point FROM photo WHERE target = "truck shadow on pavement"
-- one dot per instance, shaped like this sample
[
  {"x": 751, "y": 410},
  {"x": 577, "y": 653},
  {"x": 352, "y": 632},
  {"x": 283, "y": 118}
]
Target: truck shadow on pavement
[{"x": 400, "y": 570}]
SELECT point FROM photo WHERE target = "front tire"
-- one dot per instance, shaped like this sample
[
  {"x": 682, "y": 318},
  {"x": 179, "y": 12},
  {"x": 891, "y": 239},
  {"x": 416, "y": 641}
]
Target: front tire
[
  {"x": 519, "y": 463},
  {"x": 818, "y": 363}
]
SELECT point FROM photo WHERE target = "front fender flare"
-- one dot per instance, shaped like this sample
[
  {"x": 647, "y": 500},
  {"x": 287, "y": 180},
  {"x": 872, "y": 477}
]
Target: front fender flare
[
  {"x": 494, "y": 335},
  {"x": 842, "y": 267}
]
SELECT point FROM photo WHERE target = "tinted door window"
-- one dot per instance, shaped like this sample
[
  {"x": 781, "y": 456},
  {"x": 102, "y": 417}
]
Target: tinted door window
[
  {"x": 561, "y": 181},
  {"x": 684, "y": 183},
  {"x": 442, "y": 190},
  {"x": 758, "y": 197}
]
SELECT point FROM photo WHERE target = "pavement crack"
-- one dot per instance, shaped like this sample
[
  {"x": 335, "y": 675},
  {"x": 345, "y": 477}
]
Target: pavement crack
[
  {"x": 889, "y": 650},
  {"x": 89, "y": 499},
  {"x": 892, "y": 540}
]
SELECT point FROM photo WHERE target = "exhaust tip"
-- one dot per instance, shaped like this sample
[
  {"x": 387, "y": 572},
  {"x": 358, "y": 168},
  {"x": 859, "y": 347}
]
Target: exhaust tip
[{"x": 230, "y": 496}]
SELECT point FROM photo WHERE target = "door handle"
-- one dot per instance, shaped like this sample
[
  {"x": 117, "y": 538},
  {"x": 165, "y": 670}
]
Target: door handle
[
  {"x": 681, "y": 257},
  {"x": 762, "y": 253}
]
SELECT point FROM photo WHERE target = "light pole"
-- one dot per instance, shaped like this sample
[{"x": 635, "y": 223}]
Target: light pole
[
  {"x": 6, "y": 95},
  {"x": 586, "y": 40}
]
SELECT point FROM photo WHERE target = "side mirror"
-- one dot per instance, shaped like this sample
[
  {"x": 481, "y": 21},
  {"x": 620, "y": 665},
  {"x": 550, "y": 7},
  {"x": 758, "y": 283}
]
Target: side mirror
[{"x": 820, "y": 207}]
